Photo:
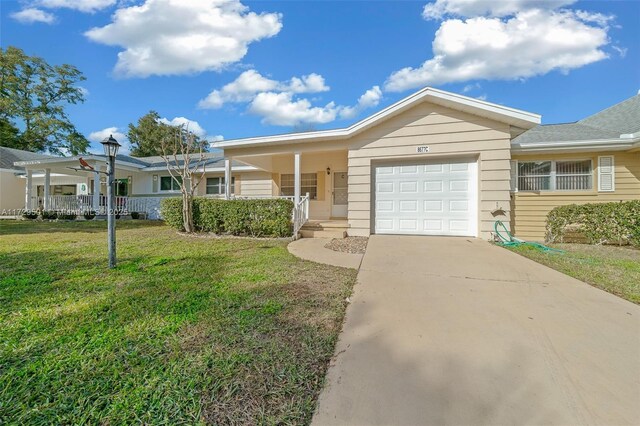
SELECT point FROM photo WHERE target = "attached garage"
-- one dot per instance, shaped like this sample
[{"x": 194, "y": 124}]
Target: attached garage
[{"x": 427, "y": 198}]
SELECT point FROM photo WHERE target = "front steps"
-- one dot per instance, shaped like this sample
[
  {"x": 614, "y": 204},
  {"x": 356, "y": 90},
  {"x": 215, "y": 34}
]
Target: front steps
[{"x": 324, "y": 229}]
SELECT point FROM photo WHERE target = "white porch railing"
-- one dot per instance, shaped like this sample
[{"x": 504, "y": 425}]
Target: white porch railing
[
  {"x": 300, "y": 214},
  {"x": 83, "y": 203}
]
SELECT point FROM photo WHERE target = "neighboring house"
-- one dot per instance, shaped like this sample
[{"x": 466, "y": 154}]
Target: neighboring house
[
  {"x": 12, "y": 181},
  {"x": 48, "y": 182},
  {"x": 594, "y": 160}
]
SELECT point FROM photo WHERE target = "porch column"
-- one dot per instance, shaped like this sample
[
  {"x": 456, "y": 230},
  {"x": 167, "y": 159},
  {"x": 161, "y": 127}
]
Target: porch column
[
  {"x": 296, "y": 177},
  {"x": 27, "y": 190},
  {"x": 227, "y": 178},
  {"x": 95, "y": 202},
  {"x": 47, "y": 189}
]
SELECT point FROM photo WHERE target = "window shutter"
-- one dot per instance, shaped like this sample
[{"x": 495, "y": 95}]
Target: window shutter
[
  {"x": 606, "y": 174},
  {"x": 514, "y": 175},
  {"x": 155, "y": 182}
]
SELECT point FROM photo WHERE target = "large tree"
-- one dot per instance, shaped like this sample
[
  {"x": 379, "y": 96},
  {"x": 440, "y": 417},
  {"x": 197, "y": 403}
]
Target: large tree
[
  {"x": 147, "y": 136},
  {"x": 33, "y": 97}
]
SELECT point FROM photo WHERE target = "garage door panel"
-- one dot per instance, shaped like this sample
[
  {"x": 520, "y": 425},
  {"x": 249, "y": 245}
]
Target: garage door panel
[{"x": 436, "y": 198}]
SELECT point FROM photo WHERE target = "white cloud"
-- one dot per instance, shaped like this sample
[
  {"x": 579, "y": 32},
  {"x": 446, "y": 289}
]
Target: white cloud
[
  {"x": 216, "y": 138},
  {"x": 532, "y": 42},
  {"x": 31, "y": 15},
  {"x": 371, "y": 98},
  {"x": 250, "y": 83},
  {"x": 470, "y": 87},
  {"x": 193, "y": 126},
  {"x": 277, "y": 102},
  {"x": 100, "y": 135},
  {"x": 472, "y": 8},
  {"x": 89, "y": 6},
  {"x": 170, "y": 37},
  {"x": 282, "y": 110}
]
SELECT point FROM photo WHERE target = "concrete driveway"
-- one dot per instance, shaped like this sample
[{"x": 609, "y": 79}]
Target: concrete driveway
[{"x": 457, "y": 331}]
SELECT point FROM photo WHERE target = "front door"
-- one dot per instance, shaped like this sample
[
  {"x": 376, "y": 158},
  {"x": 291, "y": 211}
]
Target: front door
[{"x": 340, "y": 194}]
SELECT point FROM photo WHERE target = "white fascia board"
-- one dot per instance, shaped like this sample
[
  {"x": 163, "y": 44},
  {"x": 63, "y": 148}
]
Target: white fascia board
[
  {"x": 593, "y": 145},
  {"x": 14, "y": 171},
  {"x": 496, "y": 112},
  {"x": 206, "y": 169},
  {"x": 74, "y": 159}
]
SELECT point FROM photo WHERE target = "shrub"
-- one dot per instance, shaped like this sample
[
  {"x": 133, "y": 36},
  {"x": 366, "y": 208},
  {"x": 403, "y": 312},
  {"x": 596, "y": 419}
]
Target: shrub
[
  {"x": 30, "y": 214},
  {"x": 49, "y": 215},
  {"x": 89, "y": 215},
  {"x": 135, "y": 215},
  {"x": 613, "y": 223},
  {"x": 66, "y": 216},
  {"x": 256, "y": 218}
]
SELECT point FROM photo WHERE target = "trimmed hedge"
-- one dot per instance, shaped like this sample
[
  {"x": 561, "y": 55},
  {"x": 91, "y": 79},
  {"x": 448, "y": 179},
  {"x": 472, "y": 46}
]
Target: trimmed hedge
[
  {"x": 256, "y": 218},
  {"x": 602, "y": 223}
]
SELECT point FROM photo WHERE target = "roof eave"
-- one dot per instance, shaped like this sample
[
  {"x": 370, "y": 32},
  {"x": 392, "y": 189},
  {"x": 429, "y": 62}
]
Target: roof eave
[
  {"x": 591, "y": 145},
  {"x": 496, "y": 112},
  {"x": 66, "y": 159}
]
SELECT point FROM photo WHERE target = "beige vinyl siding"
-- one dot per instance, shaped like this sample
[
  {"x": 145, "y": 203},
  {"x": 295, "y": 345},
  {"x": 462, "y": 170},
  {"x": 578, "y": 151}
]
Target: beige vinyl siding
[
  {"x": 255, "y": 184},
  {"x": 12, "y": 193},
  {"x": 449, "y": 134},
  {"x": 530, "y": 209}
]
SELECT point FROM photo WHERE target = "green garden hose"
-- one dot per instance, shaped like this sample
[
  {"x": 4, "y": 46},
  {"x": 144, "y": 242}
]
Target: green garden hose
[{"x": 511, "y": 241}]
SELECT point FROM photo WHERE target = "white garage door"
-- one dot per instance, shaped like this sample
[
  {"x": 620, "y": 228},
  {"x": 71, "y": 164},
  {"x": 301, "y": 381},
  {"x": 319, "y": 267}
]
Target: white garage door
[{"x": 435, "y": 198}]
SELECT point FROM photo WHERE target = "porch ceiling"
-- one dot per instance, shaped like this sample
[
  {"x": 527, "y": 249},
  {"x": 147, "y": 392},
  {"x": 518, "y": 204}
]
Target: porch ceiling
[{"x": 273, "y": 162}]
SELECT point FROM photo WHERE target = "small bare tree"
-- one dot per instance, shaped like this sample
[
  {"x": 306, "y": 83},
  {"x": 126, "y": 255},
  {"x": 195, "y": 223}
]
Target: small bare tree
[{"x": 184, "y": 154}]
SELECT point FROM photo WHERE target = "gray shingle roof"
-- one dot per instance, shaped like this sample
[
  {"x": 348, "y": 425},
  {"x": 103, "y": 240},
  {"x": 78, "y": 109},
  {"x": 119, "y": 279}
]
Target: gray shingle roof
[
  {"x": 9, "y": 155},
  {"x": 610, "y": 123}
]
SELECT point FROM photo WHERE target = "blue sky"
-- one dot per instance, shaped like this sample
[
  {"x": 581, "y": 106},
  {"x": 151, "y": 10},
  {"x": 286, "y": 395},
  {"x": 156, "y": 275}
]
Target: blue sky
[{"x": 326, "y": 64}]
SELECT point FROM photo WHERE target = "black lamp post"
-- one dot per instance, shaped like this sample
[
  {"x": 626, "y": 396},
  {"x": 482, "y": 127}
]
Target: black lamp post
[{"x": 111, "y": 147}]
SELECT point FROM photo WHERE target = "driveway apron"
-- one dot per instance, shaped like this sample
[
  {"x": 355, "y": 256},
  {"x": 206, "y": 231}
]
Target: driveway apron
[{"x": 456, "y": 331}]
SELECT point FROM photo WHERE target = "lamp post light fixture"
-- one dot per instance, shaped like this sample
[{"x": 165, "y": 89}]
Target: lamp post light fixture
[{"x": 111, "y": 147}]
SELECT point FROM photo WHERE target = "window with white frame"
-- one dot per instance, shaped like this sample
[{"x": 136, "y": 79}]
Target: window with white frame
[
  {"x": 565, "y": 175},
  {"x": 308, "y": 183},
  {"x": 216, "y": 186},
  {"x": 168, "y": 183}
]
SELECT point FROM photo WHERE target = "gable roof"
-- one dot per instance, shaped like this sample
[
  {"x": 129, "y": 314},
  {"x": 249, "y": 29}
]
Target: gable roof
[
  {"x": 8, "y": 156},
  {"x": 511, "y": 116},
  {"x": 618, "y": 123}
]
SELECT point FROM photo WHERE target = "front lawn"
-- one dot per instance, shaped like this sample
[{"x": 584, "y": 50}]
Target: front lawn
[
  {"x": 186, "y": 330},
  {"x": 611, "y": 268}
]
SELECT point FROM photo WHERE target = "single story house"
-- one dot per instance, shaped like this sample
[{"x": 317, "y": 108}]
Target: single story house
[
  {"x": 438, "y": 163},
  {"x": 434, "y": 163},
  {"x": 49, "y": 182}
]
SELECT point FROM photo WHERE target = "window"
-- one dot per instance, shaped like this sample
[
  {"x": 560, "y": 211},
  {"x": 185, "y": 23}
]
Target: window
[
  {"x": 215, "y": 186},
  {"x": 308, "y": 183},
  {"x": 573, "y": 175},
  {"x": 167, "y": 183},
  {"x": 534, "y": 176}
]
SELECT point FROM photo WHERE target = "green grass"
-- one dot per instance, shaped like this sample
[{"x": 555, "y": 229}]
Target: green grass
[
  {"x": 611, "y": 268},
  {"x": 186, "y": 330}
]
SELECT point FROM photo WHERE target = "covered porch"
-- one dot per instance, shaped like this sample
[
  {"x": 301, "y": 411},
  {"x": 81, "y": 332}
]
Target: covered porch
[
  {"x": 323, "y": 175},
  {"x": 52, "y": 184}
]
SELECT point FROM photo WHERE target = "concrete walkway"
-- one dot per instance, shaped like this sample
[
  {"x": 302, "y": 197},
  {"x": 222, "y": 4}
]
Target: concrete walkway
[
  {"x": 313, "y": 249},
  {"x": 455, "y": 331}
]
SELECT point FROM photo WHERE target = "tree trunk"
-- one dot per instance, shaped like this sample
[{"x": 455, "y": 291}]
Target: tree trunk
[{"x": 187, "y": 212}]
